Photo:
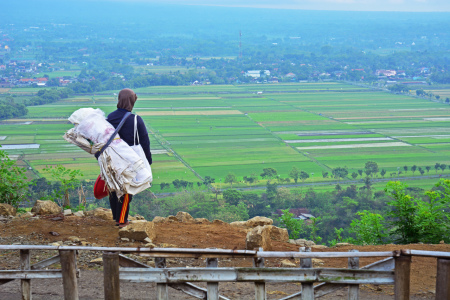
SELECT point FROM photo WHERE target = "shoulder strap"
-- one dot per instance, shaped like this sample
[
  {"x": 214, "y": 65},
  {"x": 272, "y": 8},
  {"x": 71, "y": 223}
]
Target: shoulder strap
[
  {"x": 99, "y": 152},
  {"x": 136, "y": 132}
]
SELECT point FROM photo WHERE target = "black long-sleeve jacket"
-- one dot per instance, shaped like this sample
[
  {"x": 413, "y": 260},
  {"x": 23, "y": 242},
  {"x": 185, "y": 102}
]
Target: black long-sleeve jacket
[{"x": 127, "y": 131}]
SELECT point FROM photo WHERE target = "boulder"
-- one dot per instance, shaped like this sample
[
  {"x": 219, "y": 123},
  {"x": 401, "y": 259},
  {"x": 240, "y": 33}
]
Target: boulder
[
  {"x": 47, "y": 207},
  {"x": 278, "y": 234},
  {"x": 158, "y": 219},
  {"x": 301, "y": 242},
  {"x": 170, "y": 219},
  {"x": 201, "y": 221},
  {"x": 97, "y": 261},
  {"x": 259, "y": 221},
  {"x": 259, "y": 237},
  {"x": 309, "y": 243},
  {"x": 317, "y": 262},
  {"x": 239, "y": 223},
  {"x": 285, "y": 263},
  {"x": 26, "y": 215},
  {"x": 184, "y": 217},
  {"x": 7, "y": 210},
  {"x": 101, "y": 213},
  {"x": 79, "y": 213},
  {"x": 219, "y": 222},
  {"x": 138, "y": 231},
  {"x": 67, "y": 212},
  {"x": 319, "y": 247}
]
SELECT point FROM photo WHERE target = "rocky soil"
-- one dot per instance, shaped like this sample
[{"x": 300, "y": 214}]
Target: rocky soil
[{"x": 73, "y": 230}]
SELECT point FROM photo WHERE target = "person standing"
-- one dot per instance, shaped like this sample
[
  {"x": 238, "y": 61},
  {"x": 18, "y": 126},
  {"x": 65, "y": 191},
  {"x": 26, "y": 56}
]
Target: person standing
[{"x": 126, "y": 100}]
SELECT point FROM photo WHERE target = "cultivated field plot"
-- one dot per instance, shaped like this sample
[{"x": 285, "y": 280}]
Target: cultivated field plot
[{"x": 214, "y": 130}]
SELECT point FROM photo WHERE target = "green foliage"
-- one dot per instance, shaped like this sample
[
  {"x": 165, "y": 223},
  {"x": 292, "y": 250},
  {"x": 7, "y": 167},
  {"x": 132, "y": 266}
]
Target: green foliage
[
  {"x": 303, "y": 176},
  {"x": 230, "y": 178},
  {"x": 294, "y": 174},
  {"x": 340, "y": 172},
  {"x": 13, "y": 182},
  {"x": 370, "y": 229},
  {"x": 403, "y": 214},
  {"x": 232, "y": 196},
  {"x": 230, "y": 213},
  {"x": 418, "y": 220},
  {"x": 68, "y": 178},
  {"x": 269, "y": 173},
  {"x": 371, "y": 168},
  {"x": 296, "y": 228},
  {"x": 314, "y": 229}
]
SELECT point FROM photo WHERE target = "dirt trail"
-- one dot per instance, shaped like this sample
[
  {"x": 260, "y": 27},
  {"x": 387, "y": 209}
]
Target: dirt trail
[{"x": 103, "y": 233}]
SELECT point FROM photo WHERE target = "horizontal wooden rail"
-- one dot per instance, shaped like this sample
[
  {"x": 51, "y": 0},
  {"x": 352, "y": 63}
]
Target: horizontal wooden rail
[
  {"x": 426, "y": 253},
  {"x": 176, "y": 275},
  {"x": 30, "y": 274},
  {"x": 196, "y": 253}
]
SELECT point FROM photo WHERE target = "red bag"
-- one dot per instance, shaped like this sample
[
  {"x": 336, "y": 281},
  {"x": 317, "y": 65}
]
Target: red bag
[{"x": 100, "y": 189}]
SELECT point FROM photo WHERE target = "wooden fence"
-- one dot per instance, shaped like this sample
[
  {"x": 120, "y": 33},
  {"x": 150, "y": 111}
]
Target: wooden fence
[{"x": 393, "y": 270}]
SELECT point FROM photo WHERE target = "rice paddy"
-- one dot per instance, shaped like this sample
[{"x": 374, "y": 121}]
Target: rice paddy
[{"x": 213, "y": 130}]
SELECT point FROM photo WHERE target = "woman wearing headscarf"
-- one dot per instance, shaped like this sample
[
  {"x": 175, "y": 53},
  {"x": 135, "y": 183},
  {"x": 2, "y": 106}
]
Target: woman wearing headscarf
[{"x": 127, "y": 99}]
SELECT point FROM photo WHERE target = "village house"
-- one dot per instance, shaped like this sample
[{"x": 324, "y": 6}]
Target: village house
[
  {"x": 256, "y": 73},
  {"x": 387, "y": 73}
]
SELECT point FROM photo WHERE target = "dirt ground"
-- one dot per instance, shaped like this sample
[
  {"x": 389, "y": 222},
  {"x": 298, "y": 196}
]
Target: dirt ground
[{"x": 99, "y": 232}]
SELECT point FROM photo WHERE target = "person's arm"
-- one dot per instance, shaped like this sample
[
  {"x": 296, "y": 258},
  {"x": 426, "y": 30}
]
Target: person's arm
[{"x": 143, "y": 139}]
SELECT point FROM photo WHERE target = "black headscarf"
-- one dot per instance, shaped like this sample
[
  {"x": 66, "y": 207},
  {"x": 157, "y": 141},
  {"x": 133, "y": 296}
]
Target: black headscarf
[{"x": 127, "y": 98}]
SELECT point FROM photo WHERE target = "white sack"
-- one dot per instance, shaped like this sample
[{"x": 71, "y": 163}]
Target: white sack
[{"x": 122, "y": 169}]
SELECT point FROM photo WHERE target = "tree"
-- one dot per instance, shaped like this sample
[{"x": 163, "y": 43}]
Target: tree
[
  {"x": 447, "y": 100},
  {"x": 413, "y": 169},
  {"x": 250, "y": 179},
  {"x": 383, "y": 172},
  {"x": 303, "y": 176},
  {"x": 13, "y": 182},
  {"x": 68, "y": 178},
  {"x": 405, "y": 168},
  {"x": 295, "y": 227},
  {"x": 269, "y": 173},
  {"x": 370, "y": 229},
  {"x": 420, "y": 92},
  {"x": 371, "y": 167},
  {"x": 437, "y": 166},
  {"x": 208, "y": 180},
  {"x": 294, "y": 174},
  {"x": 354, "y": 175},
  {"x": 443, "y": 167},
  {"x": 230, "y": 178},
  {"x": 340, "y": 172},
  {"x": 360, "y": 172},
  {"x": 324, "y": 174},
  {"x": 403, "y": 214},
  {"x": 232, "y": 196}
]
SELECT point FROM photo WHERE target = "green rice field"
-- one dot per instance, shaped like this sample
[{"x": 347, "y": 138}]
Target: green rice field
[{"x": 213, "y": 130}]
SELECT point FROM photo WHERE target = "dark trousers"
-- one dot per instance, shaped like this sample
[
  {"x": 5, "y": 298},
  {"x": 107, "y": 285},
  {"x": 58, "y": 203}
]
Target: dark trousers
[{"x": 120, "y": 207}]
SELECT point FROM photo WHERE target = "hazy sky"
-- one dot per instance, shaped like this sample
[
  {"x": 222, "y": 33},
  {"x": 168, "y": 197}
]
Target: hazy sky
[{"x": 364, "y": 5}]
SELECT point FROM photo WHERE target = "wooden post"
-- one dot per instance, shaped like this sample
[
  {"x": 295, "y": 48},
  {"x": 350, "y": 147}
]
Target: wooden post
[
  {"x": 260, "y": 287},
  {"x": 353, "y": 289},
  {"x": 25, "y": 284},
  {"x": 212, "y": 287},
  {"x": 402, "y": 277},
  {"x": 307, "y": 287},
  {"x": 162, "y": 290},
  {"x": 111, "y": 279},
  {"x": 443, "y": 279},
  {"x": 69, "y": 274}
]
